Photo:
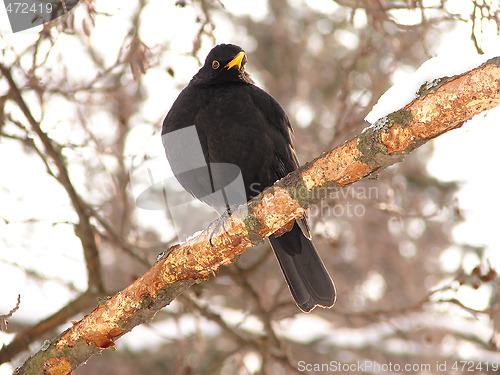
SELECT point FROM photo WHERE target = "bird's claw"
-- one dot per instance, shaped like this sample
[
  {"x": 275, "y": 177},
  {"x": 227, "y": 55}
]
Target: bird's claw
[{"x": 217, "y": 223}]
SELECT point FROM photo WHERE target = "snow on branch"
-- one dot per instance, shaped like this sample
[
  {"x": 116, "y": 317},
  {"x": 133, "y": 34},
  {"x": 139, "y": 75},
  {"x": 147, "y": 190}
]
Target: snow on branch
[{"x": 440, "y": 106}]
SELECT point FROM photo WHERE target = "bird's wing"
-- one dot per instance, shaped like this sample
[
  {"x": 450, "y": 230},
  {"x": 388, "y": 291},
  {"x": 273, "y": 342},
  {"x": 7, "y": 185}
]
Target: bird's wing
[
  {"x": 178, "y": 135},
  {"x": 285, "y": 157}
]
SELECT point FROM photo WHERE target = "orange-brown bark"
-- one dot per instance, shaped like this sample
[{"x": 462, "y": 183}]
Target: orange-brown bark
[{"x": 456, "y": 100}]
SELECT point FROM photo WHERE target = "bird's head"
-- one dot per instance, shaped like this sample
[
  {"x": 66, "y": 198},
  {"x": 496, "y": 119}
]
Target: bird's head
[{"x": 224, "y": 63}]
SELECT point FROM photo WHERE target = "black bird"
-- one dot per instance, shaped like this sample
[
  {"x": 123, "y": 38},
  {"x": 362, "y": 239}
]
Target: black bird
[{"x": 239, "y": 124}]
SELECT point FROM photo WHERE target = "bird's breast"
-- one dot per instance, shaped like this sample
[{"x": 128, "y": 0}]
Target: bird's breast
[{"x": 237, "y": 132}]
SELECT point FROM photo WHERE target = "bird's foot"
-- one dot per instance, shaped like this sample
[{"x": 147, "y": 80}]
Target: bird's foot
[{"x": 220, "y": 222}]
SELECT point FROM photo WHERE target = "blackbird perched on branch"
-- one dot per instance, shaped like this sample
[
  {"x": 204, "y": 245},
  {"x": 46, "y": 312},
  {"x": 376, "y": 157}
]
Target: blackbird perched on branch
[{"x": 222, "y": 126}]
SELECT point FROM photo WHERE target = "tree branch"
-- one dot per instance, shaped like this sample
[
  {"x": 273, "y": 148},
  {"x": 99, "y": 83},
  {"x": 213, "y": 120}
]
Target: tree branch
[
  {"x": 83, "y": 229},
  {"x": 4, "y": 317},
  {"x": 444, "y": 107},
  {"x": 22, "y": 340}
]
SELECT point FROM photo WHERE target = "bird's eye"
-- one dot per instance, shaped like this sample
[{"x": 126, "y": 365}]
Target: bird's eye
[{"x": 215, "y": 64}]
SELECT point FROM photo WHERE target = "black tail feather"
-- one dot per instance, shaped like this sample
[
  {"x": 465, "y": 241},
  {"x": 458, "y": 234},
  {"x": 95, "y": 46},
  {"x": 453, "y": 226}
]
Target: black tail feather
[{"x": 305, "y": 273}]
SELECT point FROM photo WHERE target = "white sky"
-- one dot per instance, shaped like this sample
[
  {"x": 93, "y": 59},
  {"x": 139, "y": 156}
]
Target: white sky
[
  {"x": 466, "y": 155},
  {"x": 462, "y": 155}
]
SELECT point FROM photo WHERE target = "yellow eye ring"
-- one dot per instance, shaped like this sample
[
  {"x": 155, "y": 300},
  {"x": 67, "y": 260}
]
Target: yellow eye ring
[{"x": 215, "y": 64}]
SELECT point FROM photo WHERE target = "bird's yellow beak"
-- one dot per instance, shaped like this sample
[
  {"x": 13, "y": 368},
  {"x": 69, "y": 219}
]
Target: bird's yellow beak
[{"x": 236, "y": 61}]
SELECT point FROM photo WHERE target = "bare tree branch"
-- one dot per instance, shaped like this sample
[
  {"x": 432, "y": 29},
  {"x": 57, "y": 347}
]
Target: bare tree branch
[
  {"x": 22, "y": 341},
  {"x": 449, "y": 104},
  {"x": 4, "y": 317},
  {"x": 83, "y": 229}
]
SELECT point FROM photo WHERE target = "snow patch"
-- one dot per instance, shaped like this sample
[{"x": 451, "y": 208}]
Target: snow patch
[{"x": 405, "y": 91}]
